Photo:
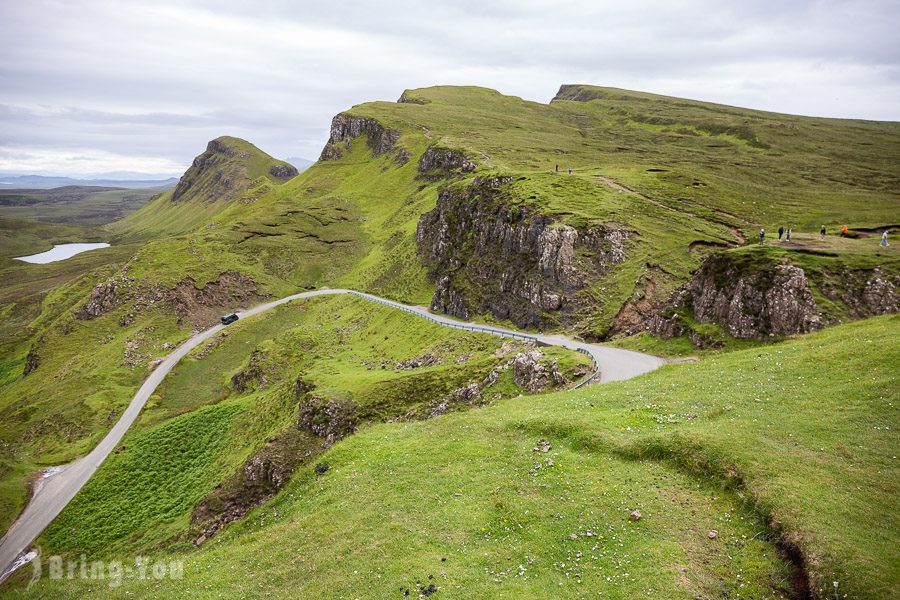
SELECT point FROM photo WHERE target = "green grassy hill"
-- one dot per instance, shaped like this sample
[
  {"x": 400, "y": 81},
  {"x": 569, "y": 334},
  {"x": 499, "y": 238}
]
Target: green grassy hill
[
  {"x": 452, "y": 197},
  {"x": 779, "y": 450},
  {"x": 230, "y": 170}
]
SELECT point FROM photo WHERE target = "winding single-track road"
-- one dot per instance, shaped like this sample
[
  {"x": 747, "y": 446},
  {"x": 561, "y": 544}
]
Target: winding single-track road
[{"x": 54, "y": 491}]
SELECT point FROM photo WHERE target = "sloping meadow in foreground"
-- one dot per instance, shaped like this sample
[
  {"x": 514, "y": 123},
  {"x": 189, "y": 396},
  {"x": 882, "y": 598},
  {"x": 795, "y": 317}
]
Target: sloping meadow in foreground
[{"x": 735, "y": 463}]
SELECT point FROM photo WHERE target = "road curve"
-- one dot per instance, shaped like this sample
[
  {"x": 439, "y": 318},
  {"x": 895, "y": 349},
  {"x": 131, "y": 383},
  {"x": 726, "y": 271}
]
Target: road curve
[{"x": 55, "y": 491}]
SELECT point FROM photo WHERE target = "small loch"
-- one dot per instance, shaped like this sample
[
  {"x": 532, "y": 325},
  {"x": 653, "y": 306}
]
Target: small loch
[{"x": 60, "y": 252}]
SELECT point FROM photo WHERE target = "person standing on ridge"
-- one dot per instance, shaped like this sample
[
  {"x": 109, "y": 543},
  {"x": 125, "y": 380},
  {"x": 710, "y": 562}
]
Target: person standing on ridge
[
  {"x": 762, "y": 235},
  {"x": 822, "y": 232},
  {"x": 557, "y": 168},
  {"x": 570, "y": 170},
  {"x": 788, "y": 234},
  {"x": 884, "y": 241},
  {"x": 844, "y": 231},
  {"x": 780, "y": 232}
]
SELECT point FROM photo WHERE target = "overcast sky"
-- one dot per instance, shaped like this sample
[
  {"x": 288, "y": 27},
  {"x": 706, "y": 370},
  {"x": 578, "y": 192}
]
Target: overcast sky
[{"x": 88, "y": 87}]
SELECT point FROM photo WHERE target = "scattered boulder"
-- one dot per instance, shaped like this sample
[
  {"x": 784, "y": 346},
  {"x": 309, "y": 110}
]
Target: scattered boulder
[
  {"x": 542, "y": 446},
  {"x": 426, "y": 360},
  {"x": 635, "y": 516},
  {"x": 530, "y": 373}
]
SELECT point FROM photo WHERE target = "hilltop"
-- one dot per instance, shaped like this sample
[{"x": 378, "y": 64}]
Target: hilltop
[{"x": 231, "y": 169}]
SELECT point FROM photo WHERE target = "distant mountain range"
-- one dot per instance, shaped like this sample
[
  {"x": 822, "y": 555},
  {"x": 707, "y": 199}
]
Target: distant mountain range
[
  {"x": 43, "y": 182},
  {"x": 301, "y": 163}
]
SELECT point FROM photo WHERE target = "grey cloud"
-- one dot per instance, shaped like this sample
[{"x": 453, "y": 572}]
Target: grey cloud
[{"x": 155, "y": 81}]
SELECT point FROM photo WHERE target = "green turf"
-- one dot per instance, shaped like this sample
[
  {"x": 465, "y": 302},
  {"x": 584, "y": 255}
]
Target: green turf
[
  {"x": 735, "y": 443},
  {"x": 198, "y": 427}
]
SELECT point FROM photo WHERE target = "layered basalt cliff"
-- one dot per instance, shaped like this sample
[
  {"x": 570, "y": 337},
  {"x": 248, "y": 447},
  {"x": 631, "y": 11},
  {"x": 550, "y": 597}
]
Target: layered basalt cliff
[
  {"x": 437, "y": 162},
  {"x": 347, "y": 128},
  {"x": 487, "y": 254}
]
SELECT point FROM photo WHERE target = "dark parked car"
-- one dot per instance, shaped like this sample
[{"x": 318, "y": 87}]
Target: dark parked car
[{"x": 228, "y": 319}]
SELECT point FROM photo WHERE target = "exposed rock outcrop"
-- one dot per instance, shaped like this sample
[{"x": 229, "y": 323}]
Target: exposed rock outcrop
[
  {"x": 751, "y": 298},
  {"x": 212, "y": 175},
  {"x": 407, "y": 98},
  {"x": 32, "y": 361},
  {"x": 258, "y": 480},
  {"x": 865, "y": 293},
  {"x": 489, "y": 255},
  {"x": 224, "y": 172},
  {"x": 283, "y": 170},
  {"x": 198, "y": 306},
  {"x": 256, "y": 375},
  {"x": 530, "y": 373},
  {"x": 346, "y": 128},
  {"x": 104, "y": 297},
  {"x": 748, "y": 302},
  {"x": 201, "y": 306},
  {"x": 438, "y": 162},
  {"x": 328, "y": 418}
]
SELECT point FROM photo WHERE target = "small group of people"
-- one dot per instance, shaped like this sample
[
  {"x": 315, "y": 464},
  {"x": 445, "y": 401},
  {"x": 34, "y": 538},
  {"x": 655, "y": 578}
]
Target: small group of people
[
  {"x": 570, "y": 169},
  {"x": 782, "y": 232}
]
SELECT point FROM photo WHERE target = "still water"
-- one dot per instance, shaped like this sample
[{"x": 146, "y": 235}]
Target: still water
[{"x": 60, "y": 252}]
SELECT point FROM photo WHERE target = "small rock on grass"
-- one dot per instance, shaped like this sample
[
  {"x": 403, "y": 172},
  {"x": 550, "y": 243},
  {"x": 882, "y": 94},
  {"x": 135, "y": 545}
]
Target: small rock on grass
[
  {"x": 635, "y": 516},
  {"x": 713, "y": 534},
  {"x": 322, "y": 467},
  {"x": 542, "y": 446}
]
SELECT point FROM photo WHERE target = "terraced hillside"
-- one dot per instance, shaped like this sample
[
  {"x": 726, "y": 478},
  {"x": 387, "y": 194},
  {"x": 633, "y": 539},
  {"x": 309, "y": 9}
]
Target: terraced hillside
[{"x": 462, "y": 199}]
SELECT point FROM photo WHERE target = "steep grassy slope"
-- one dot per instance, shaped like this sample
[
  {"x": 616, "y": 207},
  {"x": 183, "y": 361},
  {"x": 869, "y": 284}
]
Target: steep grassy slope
[
  {"x": 223, "y": 174},
  {"x": 795, "y": 442}
]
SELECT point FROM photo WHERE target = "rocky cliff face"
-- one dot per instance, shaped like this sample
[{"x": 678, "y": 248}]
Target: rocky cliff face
[
  {"x": 347, "y": 128},
  {"x": 775, "y": 300},
  {"x": 771, "y": 299},
  {"x": 487, "y": 255},
  {"x": 438, "y": 162},
  {"x": 865, "y": 293}
]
